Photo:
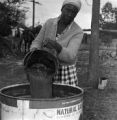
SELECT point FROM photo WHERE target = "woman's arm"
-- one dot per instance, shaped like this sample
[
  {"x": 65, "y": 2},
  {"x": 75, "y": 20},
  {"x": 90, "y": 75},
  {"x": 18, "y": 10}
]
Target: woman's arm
[
  {"x": 68, "y": 55},
  {"x": 37, "y": 43}
]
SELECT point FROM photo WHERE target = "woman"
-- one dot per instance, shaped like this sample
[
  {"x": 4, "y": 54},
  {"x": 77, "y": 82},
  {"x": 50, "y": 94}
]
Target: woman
[{"x": 65, "y": 36}]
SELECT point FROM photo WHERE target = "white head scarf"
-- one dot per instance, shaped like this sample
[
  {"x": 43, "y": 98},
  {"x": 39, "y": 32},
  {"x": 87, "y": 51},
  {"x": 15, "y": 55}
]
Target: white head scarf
[{"x": 76, "y": 3}]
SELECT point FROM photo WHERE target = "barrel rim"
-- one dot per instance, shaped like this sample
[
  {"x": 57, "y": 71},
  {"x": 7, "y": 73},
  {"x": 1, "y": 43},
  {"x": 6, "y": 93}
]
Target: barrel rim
[{"x": 40, "y": 99}]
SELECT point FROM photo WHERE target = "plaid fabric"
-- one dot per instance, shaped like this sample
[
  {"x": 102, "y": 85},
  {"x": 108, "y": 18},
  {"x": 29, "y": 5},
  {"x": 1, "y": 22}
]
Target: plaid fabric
[{"x": 66, "y": 75}]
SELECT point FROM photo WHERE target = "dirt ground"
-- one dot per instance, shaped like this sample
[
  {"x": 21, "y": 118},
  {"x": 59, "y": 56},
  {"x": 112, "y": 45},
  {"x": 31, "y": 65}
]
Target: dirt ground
[
  {"x": 98, "y": 104},
  {"x": 102, "y": 104}
]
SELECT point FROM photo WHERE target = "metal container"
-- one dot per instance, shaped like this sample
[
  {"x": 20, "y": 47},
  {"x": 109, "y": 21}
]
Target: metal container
[
  {"x": 66, "y": 104},
  {"x": 40, "y": 77}
]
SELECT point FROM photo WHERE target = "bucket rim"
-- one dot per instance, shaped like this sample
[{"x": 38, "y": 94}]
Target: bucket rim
[
  {"x": 29, "y": 54},
  {"x": 41, "y": 54}
]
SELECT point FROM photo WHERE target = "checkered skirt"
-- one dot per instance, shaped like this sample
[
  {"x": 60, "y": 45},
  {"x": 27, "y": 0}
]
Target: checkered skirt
[{"x": 66, "y": 75}]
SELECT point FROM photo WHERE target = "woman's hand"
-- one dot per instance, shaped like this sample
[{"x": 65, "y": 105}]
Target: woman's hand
[{"x": 52, "y": 44}]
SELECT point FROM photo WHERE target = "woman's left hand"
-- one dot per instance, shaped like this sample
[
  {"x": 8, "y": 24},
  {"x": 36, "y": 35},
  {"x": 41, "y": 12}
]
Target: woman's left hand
[{"x": 51, "y": 44}]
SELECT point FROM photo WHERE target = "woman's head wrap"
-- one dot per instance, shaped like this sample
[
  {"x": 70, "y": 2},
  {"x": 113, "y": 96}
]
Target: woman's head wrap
[{"x": 76, "y": 3}]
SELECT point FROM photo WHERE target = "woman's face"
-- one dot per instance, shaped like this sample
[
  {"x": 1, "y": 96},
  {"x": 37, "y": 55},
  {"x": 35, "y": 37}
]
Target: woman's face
[{"x": 68, "y": 13}]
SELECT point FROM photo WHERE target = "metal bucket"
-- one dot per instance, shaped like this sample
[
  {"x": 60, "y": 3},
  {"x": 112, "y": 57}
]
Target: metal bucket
[
  {"x": 66, "y": 104},
  {"x": 40, "y": 77},
  {"x": 41, "y": 56}
]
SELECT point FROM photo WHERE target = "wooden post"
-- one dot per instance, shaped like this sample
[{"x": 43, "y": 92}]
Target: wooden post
[
  {"x": 33, "y": 18},
  {"x": 94, "y": 46}
]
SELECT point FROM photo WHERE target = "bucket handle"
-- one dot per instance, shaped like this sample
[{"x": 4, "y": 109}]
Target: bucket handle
[{"x": 28, "y": 57}]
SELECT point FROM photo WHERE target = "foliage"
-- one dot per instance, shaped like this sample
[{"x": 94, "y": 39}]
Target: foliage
[
  {"x": 10, "y": 15},
  {"x": 108, "y": 17}
]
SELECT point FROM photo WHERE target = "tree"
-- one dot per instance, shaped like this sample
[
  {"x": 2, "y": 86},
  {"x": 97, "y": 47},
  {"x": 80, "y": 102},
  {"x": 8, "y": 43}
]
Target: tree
[
  {"x": 10, "y": 16},
  {"x": 108, "y": 17},
  {"x": 94, "y": 45}
]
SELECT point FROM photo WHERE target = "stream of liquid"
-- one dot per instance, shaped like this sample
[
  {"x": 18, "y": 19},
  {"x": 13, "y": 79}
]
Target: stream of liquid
[{"x": 40, "y": 79}]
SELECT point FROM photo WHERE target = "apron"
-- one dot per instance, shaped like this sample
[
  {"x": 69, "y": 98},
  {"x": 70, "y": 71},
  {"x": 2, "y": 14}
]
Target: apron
[{"x": 66, "y": 75}]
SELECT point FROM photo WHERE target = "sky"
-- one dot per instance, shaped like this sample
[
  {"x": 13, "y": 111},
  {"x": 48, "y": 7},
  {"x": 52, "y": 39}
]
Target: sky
[{"x": 52, "y": 8}]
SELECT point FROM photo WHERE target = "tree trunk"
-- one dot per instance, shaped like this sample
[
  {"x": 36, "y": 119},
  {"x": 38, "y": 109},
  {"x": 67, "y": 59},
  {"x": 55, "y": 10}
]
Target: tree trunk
[{"x": 94, "y": 46}]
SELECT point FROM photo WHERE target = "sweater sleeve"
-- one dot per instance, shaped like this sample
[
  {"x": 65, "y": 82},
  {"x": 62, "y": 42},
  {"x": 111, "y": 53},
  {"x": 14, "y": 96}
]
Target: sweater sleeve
[
  {"x": 37, "y": 43},
  {"x": 68, "y": 54}
]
